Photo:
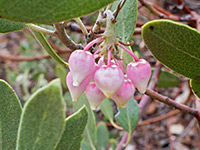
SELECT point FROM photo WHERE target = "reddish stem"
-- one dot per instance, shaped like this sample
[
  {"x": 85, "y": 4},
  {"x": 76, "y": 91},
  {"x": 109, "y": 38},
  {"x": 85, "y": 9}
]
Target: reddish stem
[
  {"x": 170, "y": 102},
  {"x": 109, "y": 58},
  {"x": 123, "y": 141},
  {"x": 128, "y": 51},
  {"x": 96, "y": 51},
  {"x": 98, "y": 40}
]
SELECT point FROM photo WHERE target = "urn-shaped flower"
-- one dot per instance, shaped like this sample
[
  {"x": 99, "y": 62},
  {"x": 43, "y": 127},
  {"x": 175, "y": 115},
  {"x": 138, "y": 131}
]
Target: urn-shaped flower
[
  {"x": 139, "y": 72},
  {"x": 81, "y": 64},
  {"x": 109, "y": 79}
]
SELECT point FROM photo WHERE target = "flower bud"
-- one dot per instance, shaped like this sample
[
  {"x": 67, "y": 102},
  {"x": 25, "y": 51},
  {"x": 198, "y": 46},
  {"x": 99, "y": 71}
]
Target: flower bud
[
  {"x": 94, "y": 95},
  {"x": 81, "y": 64},
  {"x": 76, "y": 91},
  {"x": 109, "y": 79},
  {"x": 139, "y": 72},
  {"x": 124, "y": 93}
]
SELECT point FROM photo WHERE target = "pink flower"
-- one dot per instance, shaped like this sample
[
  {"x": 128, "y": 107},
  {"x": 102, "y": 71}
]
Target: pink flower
[
  {"x": 94, "y": 95},
  {"x": 109, "y": 79},
  {"x": 124, "y": 93},
  {"x": 139, "y": 72},
  {"x": 76, "y": 91},
  {"x": 81, "y": 64}
]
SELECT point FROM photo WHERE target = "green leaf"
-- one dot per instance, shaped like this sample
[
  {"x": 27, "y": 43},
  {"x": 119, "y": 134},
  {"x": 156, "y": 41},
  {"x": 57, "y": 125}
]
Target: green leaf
[
  {"x": 61, "y": 72},
  {"x": 175, "y": 45},
  {"x": 113, "y": 143},
  {"x": 168, "y": 79},
  {"x": 74, "y": 128},
  {"x": 46, "y": 12},
  {"x": 90, "y": 130},
  {"x": 85, "y": 146},
  {"x": 195, "y": 84},
  {"x": 8, "y": 26},
  {"x": 43, "y": 119},
  {"x": 126, "y": 19},
  {"x": 68, "y": 100},
  {"x": 102, "y": 135},
  {"x": 10, "y": 112},
  {"x": 128, "y": 116},
  {"x": 107, "y": 109},
  {"x": 45, "y": 44}
]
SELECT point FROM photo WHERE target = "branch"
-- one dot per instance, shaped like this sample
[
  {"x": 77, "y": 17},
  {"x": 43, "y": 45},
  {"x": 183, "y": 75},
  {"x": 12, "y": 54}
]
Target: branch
[
  {"x": 150, "y": 7},
  {"x": 25, "y": 58},
  {"x": 187, "y": 10},
  {"x": 159, "y": 118},
  {"x": 44, "y": 43},
  {"x": 75, "y": 28},
  {"x": 170, "y": 102},
  {"x": 82, "y": 26},
  {"x": 123, "y": 141},
  {"x": 159, "y": 12},
  {"x": 40, "y": 29},
  {"x": 119, "y": 7},
  {"x": 64, "y": 37}
]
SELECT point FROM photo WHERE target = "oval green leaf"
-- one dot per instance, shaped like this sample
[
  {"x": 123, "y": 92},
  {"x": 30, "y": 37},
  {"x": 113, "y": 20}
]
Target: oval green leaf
[
  {"x": 128, "y": 116},
  {"x": 126, "y": 19},
  {"x": 61, "y": 72},
  {"x": 175, "y": 45},
  {"x": 195, "y": 84},
  {"x": 102, "y": 136},
  {"x": 90, "y": 130},
  {"x": 10, "y": 112},
  {"x": 107, "y": 109},
  {"x": 74, "y": 128},
  {"x": 47, "y": 12},
  {"x": 43, "y": 119},
  {"x": 8, "y": 26},
  {"x": 167, "y": 79}
]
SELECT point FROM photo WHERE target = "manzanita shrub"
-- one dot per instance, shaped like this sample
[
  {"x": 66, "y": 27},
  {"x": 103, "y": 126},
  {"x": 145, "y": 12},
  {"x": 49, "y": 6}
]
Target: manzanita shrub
[{"x": 104, "y": 69}]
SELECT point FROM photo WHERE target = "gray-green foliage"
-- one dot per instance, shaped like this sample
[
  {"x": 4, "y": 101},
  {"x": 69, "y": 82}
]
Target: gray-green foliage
[
  {"x": 74, "y": 128},
  {"x": 8, "y": 26},
  {"x": 175, "y": 45},
  {"x": 10, "y": 112},
  {"x": 43, "y": 119},
  {"x": 126, "y": 19},
  {"x": 102, "y": 136},
  {"x": 61, "y": 72},
  {"x": 128, "y": 116},
  {"x": 107, "y": 109},
  {"x": 168, "y": 79},
  {"x": 90, "y": 130},
  {"x": 46, "y": 12}
]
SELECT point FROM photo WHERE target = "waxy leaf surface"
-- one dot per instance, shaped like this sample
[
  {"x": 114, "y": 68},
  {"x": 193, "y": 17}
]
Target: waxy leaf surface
[
  {"x": 50, "y": 11},
  {"x": 175, "y": 45}
]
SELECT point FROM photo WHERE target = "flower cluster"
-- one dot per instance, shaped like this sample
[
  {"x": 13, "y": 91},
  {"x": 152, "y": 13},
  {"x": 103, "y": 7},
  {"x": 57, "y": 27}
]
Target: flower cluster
[{"x": 107, "y": 76}]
